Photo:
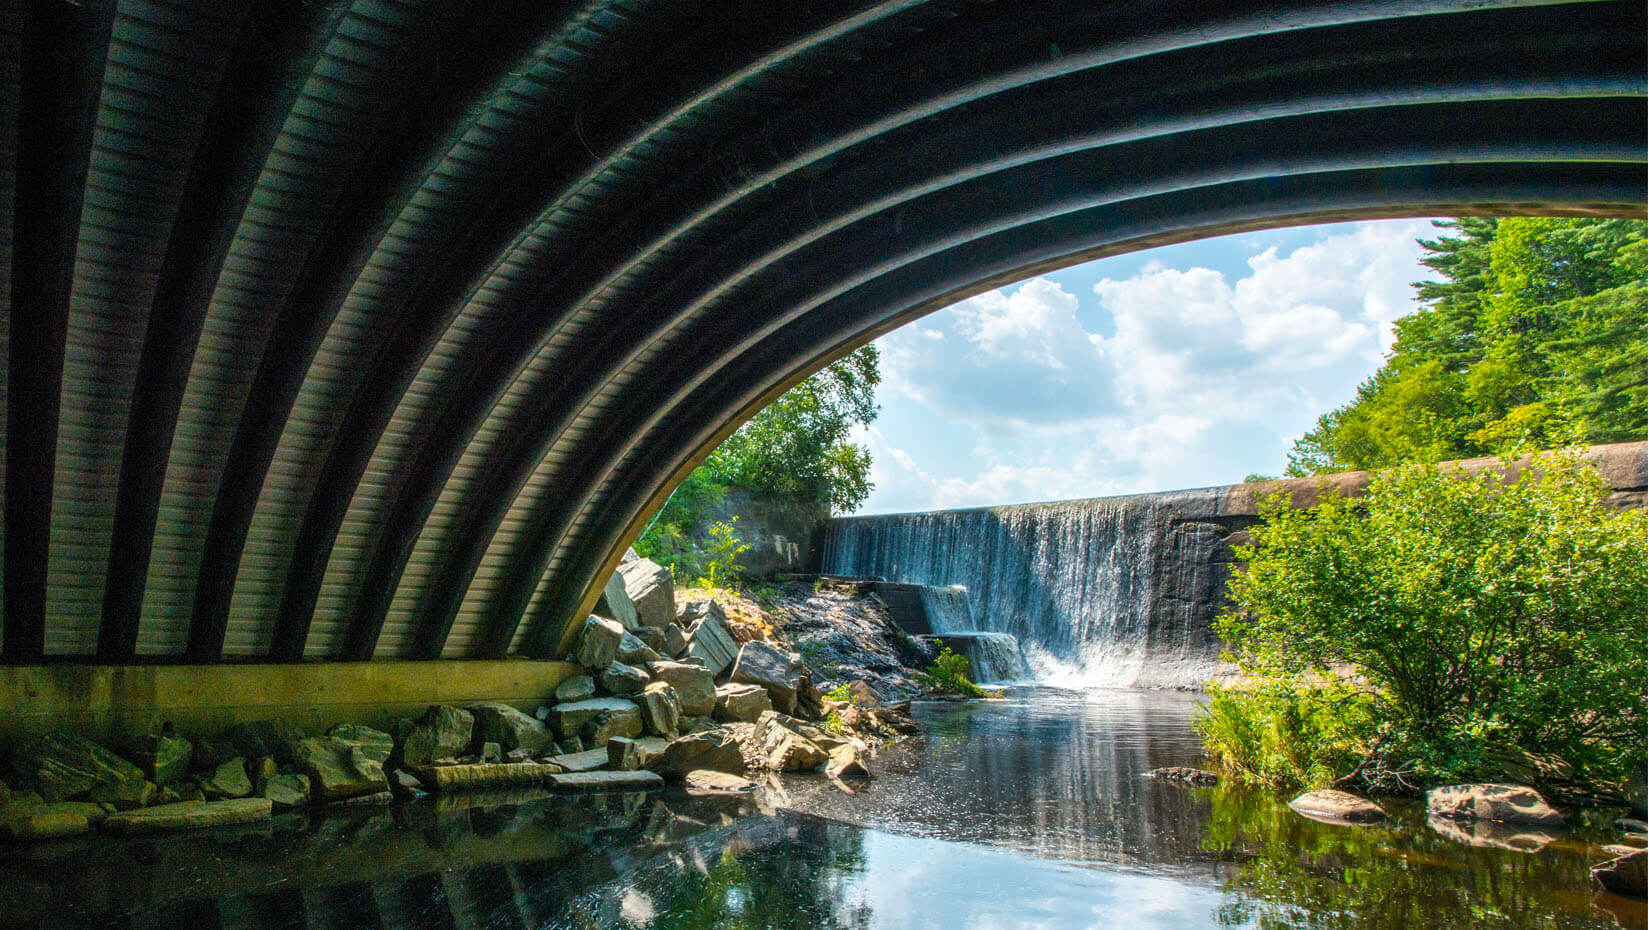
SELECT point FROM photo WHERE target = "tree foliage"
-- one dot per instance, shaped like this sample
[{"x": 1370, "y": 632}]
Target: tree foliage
[
  {"x": 1534, "y": 334},
  {"x": 1476, "y": 615},
  {"x": 798, "y": 446},
  {"x": 796, "y": 449}
]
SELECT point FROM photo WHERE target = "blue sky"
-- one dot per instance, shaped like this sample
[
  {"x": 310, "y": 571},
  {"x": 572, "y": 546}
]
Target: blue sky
[{"x": 1180, "y": 367}]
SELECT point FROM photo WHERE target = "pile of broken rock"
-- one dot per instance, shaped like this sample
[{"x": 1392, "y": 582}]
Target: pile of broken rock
[{"x": 656, "y": 696}]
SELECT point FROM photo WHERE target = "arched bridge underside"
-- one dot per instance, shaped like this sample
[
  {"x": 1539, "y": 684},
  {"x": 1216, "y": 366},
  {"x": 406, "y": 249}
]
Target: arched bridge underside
[{"x": 342, "y": 330}]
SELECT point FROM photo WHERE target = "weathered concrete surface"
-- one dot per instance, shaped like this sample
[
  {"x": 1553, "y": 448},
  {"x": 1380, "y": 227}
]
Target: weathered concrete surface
[{"x": 117, "y": 702}]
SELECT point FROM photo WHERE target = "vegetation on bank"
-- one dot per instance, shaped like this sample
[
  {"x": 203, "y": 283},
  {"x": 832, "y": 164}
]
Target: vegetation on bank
[
  {"x": 949, "y": 675},
  {"x": 796, "y": 449},
  {"x": 1446, "y": 626},
  {"x": 1534, "y": 335}
]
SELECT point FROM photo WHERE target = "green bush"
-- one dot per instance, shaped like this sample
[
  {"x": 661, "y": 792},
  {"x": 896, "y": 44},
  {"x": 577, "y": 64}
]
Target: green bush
[
  {"x": 1288, "y": 733},
  {"x": 948, "y": 675},
  {"x": 1474, "y": 616}
]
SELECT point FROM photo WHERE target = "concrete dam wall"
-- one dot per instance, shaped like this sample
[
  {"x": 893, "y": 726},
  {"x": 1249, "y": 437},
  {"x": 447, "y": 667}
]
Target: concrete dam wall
[{"x": 1116, "y": 591}]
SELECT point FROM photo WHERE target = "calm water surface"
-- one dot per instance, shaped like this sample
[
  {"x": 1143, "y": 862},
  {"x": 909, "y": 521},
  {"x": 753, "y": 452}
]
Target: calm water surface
[{"x": 1027, "y": 812}]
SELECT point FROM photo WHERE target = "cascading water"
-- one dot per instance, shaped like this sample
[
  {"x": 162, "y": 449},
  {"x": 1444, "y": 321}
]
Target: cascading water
[
  {"x": 996, "y": 657},
  {"x": 1113, "y": 592}
]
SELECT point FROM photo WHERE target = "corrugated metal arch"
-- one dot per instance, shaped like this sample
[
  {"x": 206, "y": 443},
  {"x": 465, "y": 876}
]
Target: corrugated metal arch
[{"x": 376, "y": 327}]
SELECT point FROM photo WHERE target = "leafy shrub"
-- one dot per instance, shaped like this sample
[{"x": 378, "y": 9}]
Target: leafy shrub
[
  {"x": 1475, "y": 617},
  {"x": 1288, "y": 733},
  {"x": 948, "y": 675},
  {"x": 720, "y": 557}
]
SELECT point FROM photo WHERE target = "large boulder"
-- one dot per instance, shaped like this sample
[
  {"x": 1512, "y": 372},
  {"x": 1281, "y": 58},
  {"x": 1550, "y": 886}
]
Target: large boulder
[
  {"x": 190, "y": 815},
  {"x": 651, "y": 590},
  {"x": 64, "y": 766},
  {"x": 632, "y": 650},
  {"x": 598, "y": 643},
  {"x": 442, "y": 734},
  {"x": 660, "y": 709},
  {"x": 621, "y": 679},
  {"x": 615, "y": 603},
  {"x": 710, "y": 641},
  {"x": 782, "y": 749},
  {"x": 1502, "y": 803},
  {"x": 674, "y": 640},
  {"x": 511, "y": 729},
  {"x": 230, "y": 780},
  {"x": 1332, "y": 806},
  {"x": 575, "y": 688},
  {"x": 741, "y": 703},
  {"x": 1627, "y": 875},
  {"x": 772, "y": 668},
  {"x": 163, "y": 756},
  {"x": 258, "y": 738},
  {"x": 346, "y": 763},
  {"x": 716, "y": 750},
  {"x": 286, "y": 790},
  {"x": 43, "y": 821},
  {"x": 602, "y": 727},
  {"x": 567, "y": 720},
  {"x": 694, "y": 685}
]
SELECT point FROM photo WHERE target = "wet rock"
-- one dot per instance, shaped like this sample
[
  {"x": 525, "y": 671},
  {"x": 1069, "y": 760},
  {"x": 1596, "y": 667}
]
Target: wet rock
[
  {"x": 651, "y": 590},
  {"x": 621, "y": 679},
  {"x": 845, "y": 764},
  {"x": 605, "y": 781},
  {"x": 190, "y": 814},
  {"x": 64, "y": 766},
  {"x": 440, "y": 735},
  {"x": 863, "y": 694},
  {"x": 772, "y": 668},
  {"x": 715, "y": 749},
  {"x": 339, "y": 769},
  {"x": 694, "y": 685},
  {"x": 510, "y": 729},
  {"x": 1330, "y": 806},
  {"x": 124, "y": 795},
  {"x": 587, "y": 761},
  {"x": 286, "y": 790},
  {"x": 229, "y": 780},
  {"x": 163, "y": 757},
  {"x": 741, "y": 703},
  {"x": 675, "y": 640},
  {"x": 633, "y": 651},
  {"x": 598, "y": 643},
  {"x": 709, "y": 780},
  {"x": 782, "y": 749},
  {"x": 1486, "y": 834},
  {"x": 1627, "y": 875},
  {"x": 605, "y": 726},
  {"x": 567, "y": 720},
  {"x": 440, "y": 778},
  {"x": 623, "y": 754},
  {"x": 38, "y": 821},
  {"x": 1502, "y": 803},
  {"x": 709, "y": 641},
  {"x": 896, "y": 717},
  {"x": 660, "y": 709},
  {"x": 1184, "y": 775},
  {"x": 615, "y": 603}
]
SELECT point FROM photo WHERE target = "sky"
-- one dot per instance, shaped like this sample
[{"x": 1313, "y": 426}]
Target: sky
[{"x": 1186, "y": 366}]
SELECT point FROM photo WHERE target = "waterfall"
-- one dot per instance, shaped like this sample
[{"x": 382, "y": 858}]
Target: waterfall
[
  {"x": 1113, "y": 592},
  {"x": 996, "y": 657}
]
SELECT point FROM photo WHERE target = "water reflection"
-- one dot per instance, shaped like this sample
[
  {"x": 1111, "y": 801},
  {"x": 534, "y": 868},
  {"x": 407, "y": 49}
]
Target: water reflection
[{"x": 1028, "y": 812}]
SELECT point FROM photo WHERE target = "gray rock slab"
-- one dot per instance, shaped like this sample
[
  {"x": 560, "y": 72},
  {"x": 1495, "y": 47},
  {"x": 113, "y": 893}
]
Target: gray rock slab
[
  {"x": 189, "y": 815},
  {"x": 694, "y": 686},
  {"x": 567, "y": 720},
  {"x": 651, "y": 590},
  {"x": 615, "y": 603},
  {"x": 709, "y": 641},
  {"x": 480, "y": 775},
  {"x": 587, "y": 761},
  {"x": 598, "y": 641},
  {"x": 1332, "y": 806},
  {"x": 511, "y": 729},
  {"x": 606, "y": 781},
  {"x": 772, "y": 668},
  {"x": 741, "y": 703},
  {"x": 1498, "y": 802}
]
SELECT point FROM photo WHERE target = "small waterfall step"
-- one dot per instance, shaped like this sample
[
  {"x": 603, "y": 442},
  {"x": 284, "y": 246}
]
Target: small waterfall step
[{"x": 996, "y": 658}]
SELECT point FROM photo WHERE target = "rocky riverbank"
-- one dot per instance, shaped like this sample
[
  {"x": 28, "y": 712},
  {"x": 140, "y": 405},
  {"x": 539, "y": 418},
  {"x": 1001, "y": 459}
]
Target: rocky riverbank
[{"x": 681, "y": 689}]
